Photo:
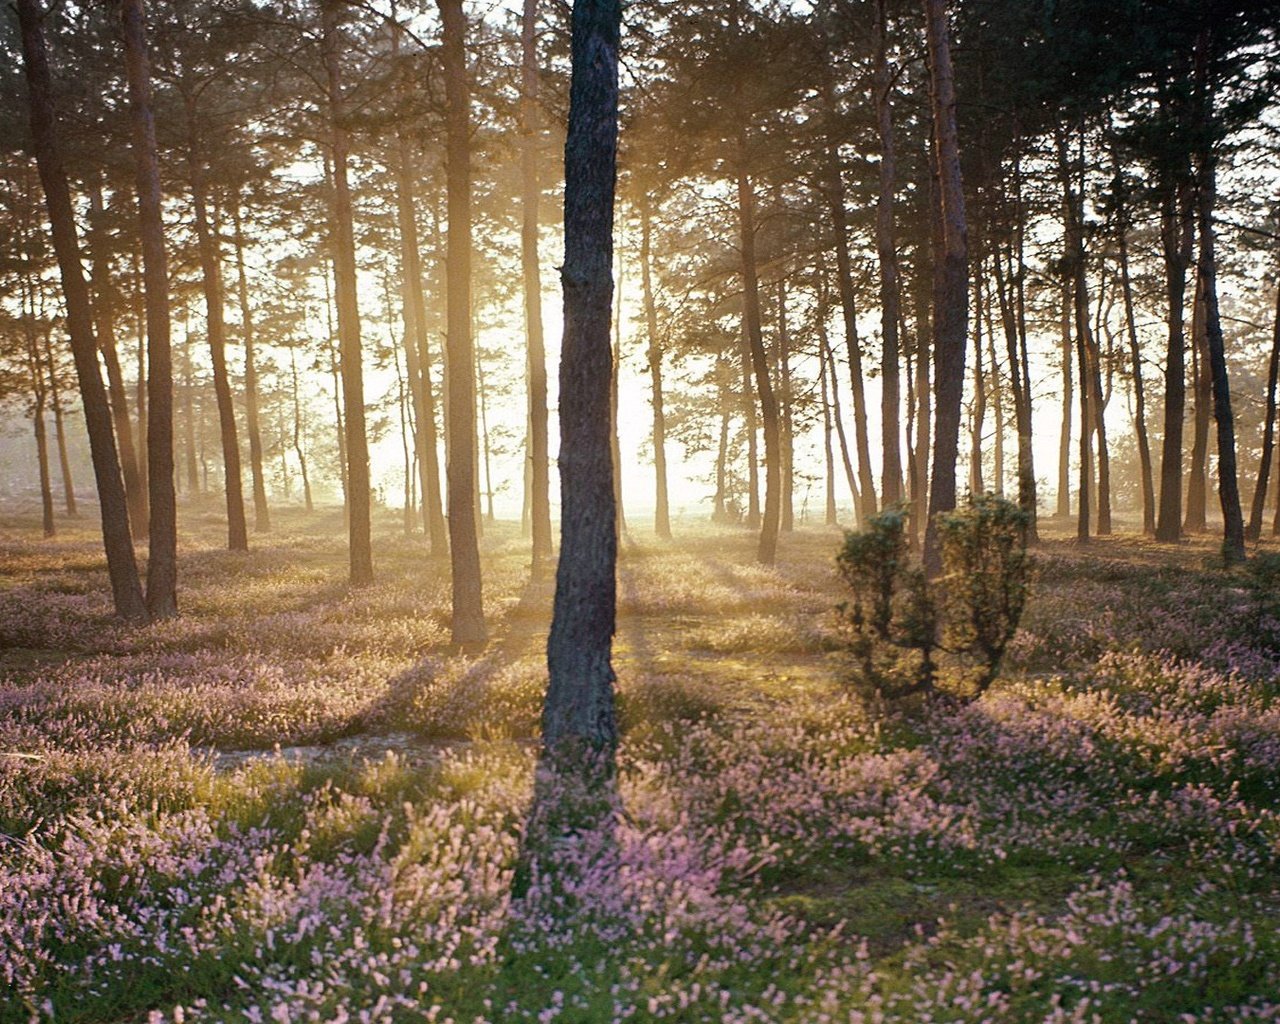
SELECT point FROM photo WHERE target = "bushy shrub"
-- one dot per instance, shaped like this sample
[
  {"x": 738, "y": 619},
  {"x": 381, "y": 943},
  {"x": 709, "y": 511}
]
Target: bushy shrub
[{"x": 906, "y": 631}]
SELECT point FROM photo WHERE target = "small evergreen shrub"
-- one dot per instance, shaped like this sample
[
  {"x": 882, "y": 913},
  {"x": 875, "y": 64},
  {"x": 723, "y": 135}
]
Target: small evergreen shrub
[{"x": 907, "y": 633}]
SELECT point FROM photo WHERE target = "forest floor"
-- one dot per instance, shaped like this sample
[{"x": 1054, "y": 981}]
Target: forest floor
[{"x": 294, "y": 803}]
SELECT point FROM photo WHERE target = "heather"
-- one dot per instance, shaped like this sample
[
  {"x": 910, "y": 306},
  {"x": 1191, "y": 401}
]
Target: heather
[{"x": 294, "y": 802}]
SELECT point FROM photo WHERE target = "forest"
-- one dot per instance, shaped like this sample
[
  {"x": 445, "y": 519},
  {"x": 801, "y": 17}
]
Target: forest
[{"x": 572, "y": 510}]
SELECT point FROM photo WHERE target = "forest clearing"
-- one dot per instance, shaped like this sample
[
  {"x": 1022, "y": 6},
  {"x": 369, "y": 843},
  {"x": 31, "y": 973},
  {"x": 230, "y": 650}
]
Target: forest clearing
[{"x": 1095, "y": 839}]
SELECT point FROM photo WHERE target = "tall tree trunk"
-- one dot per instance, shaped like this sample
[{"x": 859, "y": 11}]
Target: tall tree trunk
[
  {"x": 952, "y": 293},
  {"x": 826, "y": 354},
  {"x": 890, "y": 299},
  {"x": 418, "y": 353},
  {"x": 162, "y": 560},
  {"x": 924, "y": 414},
  {"x": 122, "y": 566},
  {"x": 468, "y": 624},
  {"x": 1228, "y": 480},
  {"x": 59, "y": 430},
  {"x": 261, "y": 511},
  {"x": 531, "y": 194},
  {"x": 1176, "y": 232},
  {"x": 1027, "y": 498},
  {"x": 767, "y": 551},
  {"x": 103, "y": 298},
  {"x": 189, "y": 412},
  {"x": 662, "y": 508},
  {"x": 297, "y": 433},
  {"x": 976, "y": 483},
  {"x": 751, "y": 428},
  {"x": 1064, "y": 436},
  {"x": 828, "y": 452},
  {"x": 579, "y": 709},
  {"x": 359, "y": 494},
  {"x": 997, "y": 399},
  {"x": 1196, "y": 519},
  {"x": 40, "y": 396},
  {"x": 1254, "y": 530},
  {"x": 614, "y": 442},
  {"x": 787, "y": 432},
  {"x": 1139, "y": 391},
  {"x": 211, "y": 275},
  {"x": 853, "y": 346}
]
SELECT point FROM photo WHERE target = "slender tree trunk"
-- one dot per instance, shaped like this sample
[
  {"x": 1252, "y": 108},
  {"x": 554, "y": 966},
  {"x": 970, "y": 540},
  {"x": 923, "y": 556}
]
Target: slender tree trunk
[
  {"x": 976, "y": 483},
  {"x": 121, "y": 564},
  {"x": 1228, "y": 480},
  {"x": 997, "y": 401},
  {"x": 40, "y": 395},
  {"x": 924, "y": 416},
  {"x": 828, "y": 452},
  {"x": 767, "y": 551},
  {"x": 484, "y": 439},
  {"x": 1068, "y": 397},
  {"x": 359, "y": 494},
  {"x": 828, "y": 357},
  {"x": 719, "y": 507},
  {"x": 1254, "y": 530},
  {"x": 47, "y": 523},
  {"x": 1019, "y": 361},
  {"x": 853, "y": 346},
  {"x": 662, "y": 509},
  {"x": 531, "y": 194},
  {"x": 1139, "y": 390},
  {"x": 1196, "y": 519},
  {"x": 162, "y": 560},
  {"x": 1176, "y": 232},
  {"x": 59, "y": 431},
  {"x": 211, "y": 274},
  {"x": 189, "y": 413},
  {"x": 952, "y": 295},
  {"x": 787, "y": 432},
  {"x": 579, "y": 709},
  {"x": 468, "y": 605},
  {"x": 615, "y": 445},
  {"x": 297, "y": 433},
  {"x": 261, "y": 511},
  {"x": 750, "y": 426},
  {"x": 890, "y": 289},
  {"x": 104, "y": 325}
]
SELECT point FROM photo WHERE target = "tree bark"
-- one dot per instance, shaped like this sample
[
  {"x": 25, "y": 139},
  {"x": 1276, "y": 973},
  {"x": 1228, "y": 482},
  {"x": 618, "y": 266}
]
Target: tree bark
[
  {"x": 1176, "y": 232},
  {"x": 104, "y": 325},
  {"x": 162, "y": 560},
  {"x": 122, "y": 566},
  {"x": 890, "y": 300},
  {"x": 1196, "y": 519},
  {"x": 211, "y": 276},
  {"x": 468, "y": 625},
  {"x": 297, "y": 433},
  {"x": 767, "y": 551},
  {"x": 787, "y": 433},
  {"x": 1139, "y": 390},
  {"x": 531, "y": 194},
  {"x": 579, "y": 708},
  {"x": 261, "y": 511},
  {"x": 1068, "y": 397},
  {"x": 359, "y": 494},
  {"x": 662, "y": 508},
  {"x": 853, "y": 346},
  {"x": 1228, "y": 480},
  {"x": 952, "y": 292},
  {"x": 1254, "y": 529}
]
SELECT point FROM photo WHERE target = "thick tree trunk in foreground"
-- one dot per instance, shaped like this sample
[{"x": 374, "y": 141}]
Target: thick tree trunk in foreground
[
  {"x": 468, "y": 625},
  {"x": 579, "y": 709},
  {"x": 531, "y": 194},
  {"x": 359, "y": 495},
  {"x": 122, "y": 566},
  {"x": 952, "y": 292},
  {"x": 162, "y": 560}
]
